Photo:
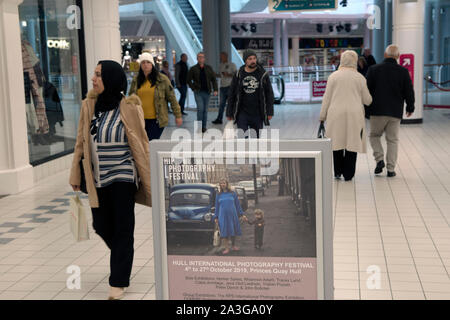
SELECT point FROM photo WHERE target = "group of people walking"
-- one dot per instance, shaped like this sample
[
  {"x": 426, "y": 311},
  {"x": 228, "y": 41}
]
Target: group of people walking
[
  {"x": 384, "y": 91},
  {"x": 112, "y": 149}
]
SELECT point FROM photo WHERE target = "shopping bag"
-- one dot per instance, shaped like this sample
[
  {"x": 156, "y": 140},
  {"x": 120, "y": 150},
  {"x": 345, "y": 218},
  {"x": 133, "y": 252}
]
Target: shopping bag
[
  {"x": 78, "y": 220},
  {"x": 321, "y": 133},
  {"x": 216, "y": 241},
  {"x": 228, "y": 131}
]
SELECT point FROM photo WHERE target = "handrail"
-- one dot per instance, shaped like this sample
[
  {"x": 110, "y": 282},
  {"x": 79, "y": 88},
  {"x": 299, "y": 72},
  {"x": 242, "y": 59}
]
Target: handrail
[{"x": 437, "y": 64}]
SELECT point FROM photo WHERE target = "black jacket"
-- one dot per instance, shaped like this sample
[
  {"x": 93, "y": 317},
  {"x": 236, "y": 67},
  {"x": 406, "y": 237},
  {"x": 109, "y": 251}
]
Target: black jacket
[
  {"x": 236, "y": 92},
  {"x": 194, "y": 82},
  {"x": 390, "y": 86},
  {"x": 181, "y": 72}
]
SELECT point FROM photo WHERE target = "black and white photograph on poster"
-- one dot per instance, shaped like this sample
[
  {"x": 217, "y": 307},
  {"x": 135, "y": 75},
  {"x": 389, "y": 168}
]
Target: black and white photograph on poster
[{"x": 235, "y": 210}]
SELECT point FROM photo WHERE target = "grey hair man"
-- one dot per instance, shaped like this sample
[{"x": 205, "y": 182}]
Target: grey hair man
[{"x": 390, "y": 86}]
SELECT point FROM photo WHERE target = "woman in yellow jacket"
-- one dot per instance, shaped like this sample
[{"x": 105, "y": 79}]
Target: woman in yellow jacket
[{"x": 155, "y": 91}]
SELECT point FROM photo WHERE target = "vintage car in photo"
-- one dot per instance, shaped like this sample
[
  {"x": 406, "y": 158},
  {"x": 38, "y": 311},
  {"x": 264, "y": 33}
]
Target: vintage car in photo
[
  {"x": 242, "y": 196},
  {"x": 191, "y": 208},
  {"x": 249, "y": 188}
]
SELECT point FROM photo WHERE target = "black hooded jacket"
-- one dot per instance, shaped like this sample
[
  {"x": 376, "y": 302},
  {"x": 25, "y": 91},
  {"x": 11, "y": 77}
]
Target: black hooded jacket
[{"x": 236, "y": 92}]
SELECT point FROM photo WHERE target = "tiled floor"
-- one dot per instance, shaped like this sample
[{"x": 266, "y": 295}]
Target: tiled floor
[{"x": 398, "y": 226}]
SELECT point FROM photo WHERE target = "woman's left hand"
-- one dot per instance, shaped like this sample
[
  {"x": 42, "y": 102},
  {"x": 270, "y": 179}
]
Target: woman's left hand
[{"x": 179, "y": 121}]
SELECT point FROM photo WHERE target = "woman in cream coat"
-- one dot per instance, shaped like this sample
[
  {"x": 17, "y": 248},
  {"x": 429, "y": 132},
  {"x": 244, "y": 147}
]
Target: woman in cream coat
[{"x": 343, "y": 110}]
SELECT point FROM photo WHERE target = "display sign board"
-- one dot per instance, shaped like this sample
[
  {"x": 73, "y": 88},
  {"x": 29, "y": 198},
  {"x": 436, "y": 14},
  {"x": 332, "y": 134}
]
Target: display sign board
[
  {"x": 242, "y": 225},
  {"x": 407, "y": 61},
  {"x": 318, "y": 88},
  {"x": 301, "y": 5}
]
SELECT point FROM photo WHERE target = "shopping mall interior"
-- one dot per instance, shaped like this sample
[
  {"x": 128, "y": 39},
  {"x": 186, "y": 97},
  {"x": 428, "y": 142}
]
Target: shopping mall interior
[{"x": 398, "y": 226}]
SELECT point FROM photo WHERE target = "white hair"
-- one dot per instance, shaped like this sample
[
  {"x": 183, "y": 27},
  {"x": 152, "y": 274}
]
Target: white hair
[
  {"x": 392, "y": 51},
  {"x": 349, "y": 59}
]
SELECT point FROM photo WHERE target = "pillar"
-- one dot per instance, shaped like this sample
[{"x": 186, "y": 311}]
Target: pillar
[
  {"x": 437, "y": 33},
  {"x": 387, "y": 23},
  {"x": 102, "y": 33},
  {"x": 225, "y": 28},
  {"x": 427, "y": 30},
  {"x": 408, "y": 34},
  {"x": 285, "y": 42},
  {"x": 169, "y": 54},
  {"x": 277, "y": 42},
  {"x": 295, "y": 51},
  {"x": 16, "y": 173},
  {"x": 378, "y": 34},
  {"x": 211, "y": 48}
]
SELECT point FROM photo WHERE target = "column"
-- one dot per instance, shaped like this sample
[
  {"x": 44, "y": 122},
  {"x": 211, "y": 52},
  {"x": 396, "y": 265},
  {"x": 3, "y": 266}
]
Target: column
[
  {"x": 285, "y": 42},
  {"x": 16, "y": 173},
  {"x": 427, "y": 32},
  {"x": 437, "y": 33},
  {"x": 211, "y": 47},
  {"x": 102, "y": 32},
  {"x": 295, "y": 51},
  {"x": 378, "y": 34},
  {"x": 225, "y": 27},
  {"x": 277, "y": 42},
  {"x": 169, "y": 54},
  {"x": 408, "y": 34},
  {"x": 387, "y": 23}
]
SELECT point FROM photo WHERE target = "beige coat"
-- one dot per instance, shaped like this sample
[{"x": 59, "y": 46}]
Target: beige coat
[
  {"x": 343, "y": 109},
  {"x": 132, "y": 116}
]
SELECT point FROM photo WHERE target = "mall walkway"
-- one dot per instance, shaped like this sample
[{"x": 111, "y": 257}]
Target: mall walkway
[{"x": 400, "y": 225}]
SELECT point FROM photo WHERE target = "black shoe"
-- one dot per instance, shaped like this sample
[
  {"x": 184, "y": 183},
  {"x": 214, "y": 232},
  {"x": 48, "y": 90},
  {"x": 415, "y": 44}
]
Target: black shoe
[
  {"x": 337, "y": 176},
  {"x": 391, "y": 174},
  {"x": 217, "y": 121},
  {"x": 380, "y": 166},
  {"x": 184, "y": 113},
  {"x": 204, "y": 130}
]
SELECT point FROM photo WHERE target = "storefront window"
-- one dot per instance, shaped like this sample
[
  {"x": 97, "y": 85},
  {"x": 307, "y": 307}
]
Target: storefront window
[{"x": 51, "y": 70}]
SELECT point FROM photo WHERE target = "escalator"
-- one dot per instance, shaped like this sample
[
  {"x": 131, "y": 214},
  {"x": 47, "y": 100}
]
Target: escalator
[
  {"x": 192, "y": 17},
  {"x": 183, "y": 26}
]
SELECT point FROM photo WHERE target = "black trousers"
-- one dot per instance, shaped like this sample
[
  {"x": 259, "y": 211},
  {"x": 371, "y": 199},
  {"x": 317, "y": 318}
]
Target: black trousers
[
  {"x": 344, "y": 163},
  {"x": 153, "y": 130},
  {"x": 183, "y": 93},
  {"x": 259, "y": 235},
  {"x": 114, "y": 222},
  {"x": 246, "y": 122}
]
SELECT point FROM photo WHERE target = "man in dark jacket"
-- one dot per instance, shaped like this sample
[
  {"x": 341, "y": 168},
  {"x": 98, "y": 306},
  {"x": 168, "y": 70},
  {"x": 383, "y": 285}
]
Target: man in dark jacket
[
  {"x": 390, "y": 86},
  {"x": 250, "y": 101},
  {"x": 369, "y": 57},
  {"x": 181, "y": 72},
  {"x": 202, "y": 80}
]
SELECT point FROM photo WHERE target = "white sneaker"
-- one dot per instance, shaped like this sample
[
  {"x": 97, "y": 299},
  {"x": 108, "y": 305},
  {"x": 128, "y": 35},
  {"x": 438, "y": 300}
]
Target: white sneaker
[{"x": 116, "y": 293}]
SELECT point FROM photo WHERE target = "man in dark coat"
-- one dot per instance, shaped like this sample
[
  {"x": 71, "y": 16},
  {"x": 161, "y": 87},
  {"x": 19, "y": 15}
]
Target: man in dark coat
[
  {"x": 250, "y": 101},
  {"x": 390, "y": 86}
]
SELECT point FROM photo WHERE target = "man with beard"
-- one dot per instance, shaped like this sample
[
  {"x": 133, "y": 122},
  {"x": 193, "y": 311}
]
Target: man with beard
[{"x": 250, "y": 101}]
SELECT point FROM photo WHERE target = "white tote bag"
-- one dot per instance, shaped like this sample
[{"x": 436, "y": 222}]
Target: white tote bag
[
  {"x": 216, "y": 241},
  {"x": 78, "y": 220},
  {"x": 228, "y": 131}
]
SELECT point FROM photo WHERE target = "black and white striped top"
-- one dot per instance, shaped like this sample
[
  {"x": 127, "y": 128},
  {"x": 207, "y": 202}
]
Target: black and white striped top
[{"x": 111, "y": 154}]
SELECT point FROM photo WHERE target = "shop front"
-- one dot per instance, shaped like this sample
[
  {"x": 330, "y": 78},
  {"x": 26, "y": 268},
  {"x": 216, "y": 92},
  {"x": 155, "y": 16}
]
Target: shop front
[
  {"x": 54, "y": 76},
  {"x": 312, "y": 51}
]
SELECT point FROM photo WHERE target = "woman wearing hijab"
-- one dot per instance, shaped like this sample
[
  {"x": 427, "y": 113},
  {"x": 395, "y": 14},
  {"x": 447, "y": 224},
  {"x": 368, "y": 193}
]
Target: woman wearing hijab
[
  {"x": 155, "y": 91},
  {"x": 113, "y": 147},
  {"x": 343, "y": 110}
]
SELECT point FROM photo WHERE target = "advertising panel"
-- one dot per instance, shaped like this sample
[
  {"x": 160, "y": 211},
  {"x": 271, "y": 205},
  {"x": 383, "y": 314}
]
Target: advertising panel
[{"x": 227, "y": 230}]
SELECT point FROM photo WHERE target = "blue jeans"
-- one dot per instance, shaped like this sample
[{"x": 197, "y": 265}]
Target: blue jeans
[
  {"x": 223, "y": 101},
  {"x": 202, "y": 101}
]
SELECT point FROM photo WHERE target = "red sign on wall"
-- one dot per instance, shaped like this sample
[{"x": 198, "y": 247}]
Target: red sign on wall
[
  {"x": 318, "y": 88},
  {"x": 407, "y": 61}
]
